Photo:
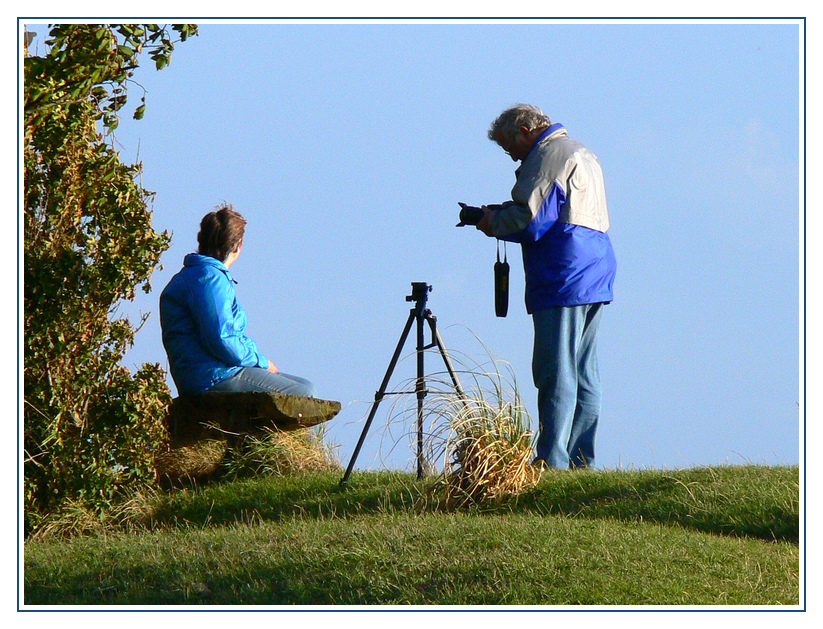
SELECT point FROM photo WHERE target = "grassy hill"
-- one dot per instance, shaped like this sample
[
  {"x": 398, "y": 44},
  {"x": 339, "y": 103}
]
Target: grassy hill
[{"x": 703, "y": 536}]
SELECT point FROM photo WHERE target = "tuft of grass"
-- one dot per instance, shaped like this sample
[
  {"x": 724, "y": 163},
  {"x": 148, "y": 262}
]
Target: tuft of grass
[
  {"x": 487, "y": 449},
  {"x": 478, "y": 438},
  {"x": 483, "y": 435},
  {"x": 274, "y": 453},
  {"x": 75, "y": 518},
  {"x": 281, "y": 453},
  {"x": 197, "y": 460}
]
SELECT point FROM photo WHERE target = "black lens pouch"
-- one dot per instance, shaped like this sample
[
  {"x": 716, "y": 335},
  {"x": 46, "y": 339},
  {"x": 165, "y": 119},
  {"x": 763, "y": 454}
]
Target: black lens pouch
[{"x": 501, "y": 283}]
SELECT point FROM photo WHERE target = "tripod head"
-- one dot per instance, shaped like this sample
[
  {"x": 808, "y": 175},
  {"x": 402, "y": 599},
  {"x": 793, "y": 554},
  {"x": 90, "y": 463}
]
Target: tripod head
[{"x": 420, "y": 294}]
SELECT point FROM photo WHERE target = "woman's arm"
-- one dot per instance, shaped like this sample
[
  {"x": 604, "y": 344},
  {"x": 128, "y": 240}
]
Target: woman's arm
[{"x": 222, "y": 322}]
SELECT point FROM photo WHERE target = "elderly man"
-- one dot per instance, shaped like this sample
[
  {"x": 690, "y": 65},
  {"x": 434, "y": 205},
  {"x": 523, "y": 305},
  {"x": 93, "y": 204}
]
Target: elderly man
[{"x": 558, "y": 214}]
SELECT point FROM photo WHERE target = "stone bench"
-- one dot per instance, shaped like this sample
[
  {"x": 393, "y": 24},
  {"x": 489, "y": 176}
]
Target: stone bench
[{"x": 203, "y": 427}]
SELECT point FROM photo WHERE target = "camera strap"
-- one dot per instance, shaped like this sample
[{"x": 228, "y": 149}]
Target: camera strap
[{"x": 501, "y": 283}]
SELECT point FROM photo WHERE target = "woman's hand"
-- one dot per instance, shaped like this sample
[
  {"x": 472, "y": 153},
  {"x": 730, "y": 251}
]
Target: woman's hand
[{"x": 272, "y": 367}]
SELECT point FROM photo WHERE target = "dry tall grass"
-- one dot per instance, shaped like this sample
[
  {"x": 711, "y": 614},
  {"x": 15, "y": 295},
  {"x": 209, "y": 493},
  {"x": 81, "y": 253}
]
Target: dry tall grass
[
  {"x": 280, "y": 453},
  {"x": 274, "y": 453},
  {"x": 487, "y": 451},
  {"x": 478, "y": 442},
  {"x": 197, "y": 460},
  {"x": 75, "y": 517}
]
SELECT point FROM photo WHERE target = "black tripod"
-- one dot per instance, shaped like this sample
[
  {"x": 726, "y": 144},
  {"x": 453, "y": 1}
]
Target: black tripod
[{"x": 420, "y": 292}]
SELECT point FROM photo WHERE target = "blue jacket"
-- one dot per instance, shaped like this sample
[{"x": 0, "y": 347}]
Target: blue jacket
[
  {"x": 204, "y": 326},
  {"x": 558, "y": 214}
]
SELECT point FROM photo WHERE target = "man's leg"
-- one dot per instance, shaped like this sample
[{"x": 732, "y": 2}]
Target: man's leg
[
  {"x": 587, "y": 414},
  {"x": 554, "y": 367}
]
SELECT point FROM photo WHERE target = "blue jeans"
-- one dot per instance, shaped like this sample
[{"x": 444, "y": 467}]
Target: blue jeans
[
  {"x": 567, "y": 378},
  {"x": 258, "y": 379}
]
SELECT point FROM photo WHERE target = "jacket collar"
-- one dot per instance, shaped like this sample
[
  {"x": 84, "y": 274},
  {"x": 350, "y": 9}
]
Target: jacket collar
[
  {"x": 196, "y": 259},
  {"x": 552, "y": 132}
]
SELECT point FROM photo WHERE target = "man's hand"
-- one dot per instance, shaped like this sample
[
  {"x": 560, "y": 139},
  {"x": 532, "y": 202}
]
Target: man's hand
[
  {"x": 272, "y": 367},
  {"x": 484, "y": 225},
  {"x": 477, "y": 216}
]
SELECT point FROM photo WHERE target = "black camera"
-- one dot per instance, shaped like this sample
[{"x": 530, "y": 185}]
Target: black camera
[{"x": 469, "y": 215}]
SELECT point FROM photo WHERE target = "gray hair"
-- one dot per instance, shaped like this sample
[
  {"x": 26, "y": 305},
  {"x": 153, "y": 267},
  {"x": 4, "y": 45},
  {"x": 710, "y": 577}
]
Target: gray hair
[{"x": 515, "y": 117}]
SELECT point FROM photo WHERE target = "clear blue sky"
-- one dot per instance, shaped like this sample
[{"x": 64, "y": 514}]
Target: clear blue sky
[{"x": 348, "y": 146}]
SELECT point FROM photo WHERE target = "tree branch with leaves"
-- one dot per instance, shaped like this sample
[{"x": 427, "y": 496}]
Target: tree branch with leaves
[{"x": 91, "y": 428}]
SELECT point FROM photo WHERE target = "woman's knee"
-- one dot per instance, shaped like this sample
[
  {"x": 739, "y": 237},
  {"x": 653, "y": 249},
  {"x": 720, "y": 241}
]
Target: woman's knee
[{"x": 305, "y": 387}]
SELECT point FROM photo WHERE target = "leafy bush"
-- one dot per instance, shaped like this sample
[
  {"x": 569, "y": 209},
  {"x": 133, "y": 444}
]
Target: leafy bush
[{"x": 91, "y": 428}]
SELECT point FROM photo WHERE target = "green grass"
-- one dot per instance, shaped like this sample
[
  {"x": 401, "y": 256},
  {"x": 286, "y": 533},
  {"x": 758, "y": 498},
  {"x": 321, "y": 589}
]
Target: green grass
[{"x": 705, "y": 536}]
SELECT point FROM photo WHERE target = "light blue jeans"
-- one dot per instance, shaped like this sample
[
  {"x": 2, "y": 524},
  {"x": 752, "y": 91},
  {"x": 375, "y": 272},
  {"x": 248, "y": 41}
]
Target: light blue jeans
[
  {"x": 567, "y": 378},
  {"x": 258, "y": 379}
]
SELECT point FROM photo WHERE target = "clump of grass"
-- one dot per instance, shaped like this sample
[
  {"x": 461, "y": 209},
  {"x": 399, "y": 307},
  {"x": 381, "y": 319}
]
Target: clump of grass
[
  {"x": 273, "y": 453},
  {"x": 75, "y": 517},
  {"x": 487, "y": 448},
  {"x": 481, "y": 434},
  {"x": 197, "y": 460},
  {"x": 281, "y": 453},
  {"x": 70, "y": 518}
]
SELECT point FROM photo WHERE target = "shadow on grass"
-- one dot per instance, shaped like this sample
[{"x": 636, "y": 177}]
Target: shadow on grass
[
  {"x": 745, "y": 501},
  {"x": 316, "y": 495},
  {"x": 736, "y": 501}
]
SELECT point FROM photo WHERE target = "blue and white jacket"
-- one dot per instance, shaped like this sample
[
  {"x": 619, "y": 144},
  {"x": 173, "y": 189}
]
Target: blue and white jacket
[
  {"x": 558, "y": 214},
  {"x": 204, "y": 326}
]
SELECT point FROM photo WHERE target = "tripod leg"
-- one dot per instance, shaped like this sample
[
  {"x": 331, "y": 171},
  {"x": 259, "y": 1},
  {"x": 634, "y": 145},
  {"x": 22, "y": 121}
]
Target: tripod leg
[
  {"x": 420, "y": 388},
  {"x": 446, "y": 358},
  {"x": 378, "y": 397}
]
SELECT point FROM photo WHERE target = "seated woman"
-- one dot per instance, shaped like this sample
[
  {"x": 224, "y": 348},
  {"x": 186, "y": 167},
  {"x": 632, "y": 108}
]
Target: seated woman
[{"x": 204, "y": 326}]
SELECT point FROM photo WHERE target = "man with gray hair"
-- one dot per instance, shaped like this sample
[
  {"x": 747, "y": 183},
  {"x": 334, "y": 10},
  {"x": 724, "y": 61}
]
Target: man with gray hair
[{"x": 558, "y": 214}]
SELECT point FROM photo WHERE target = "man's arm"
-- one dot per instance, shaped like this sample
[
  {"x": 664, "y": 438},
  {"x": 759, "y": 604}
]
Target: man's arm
[{"x": 517, "y": 220}]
